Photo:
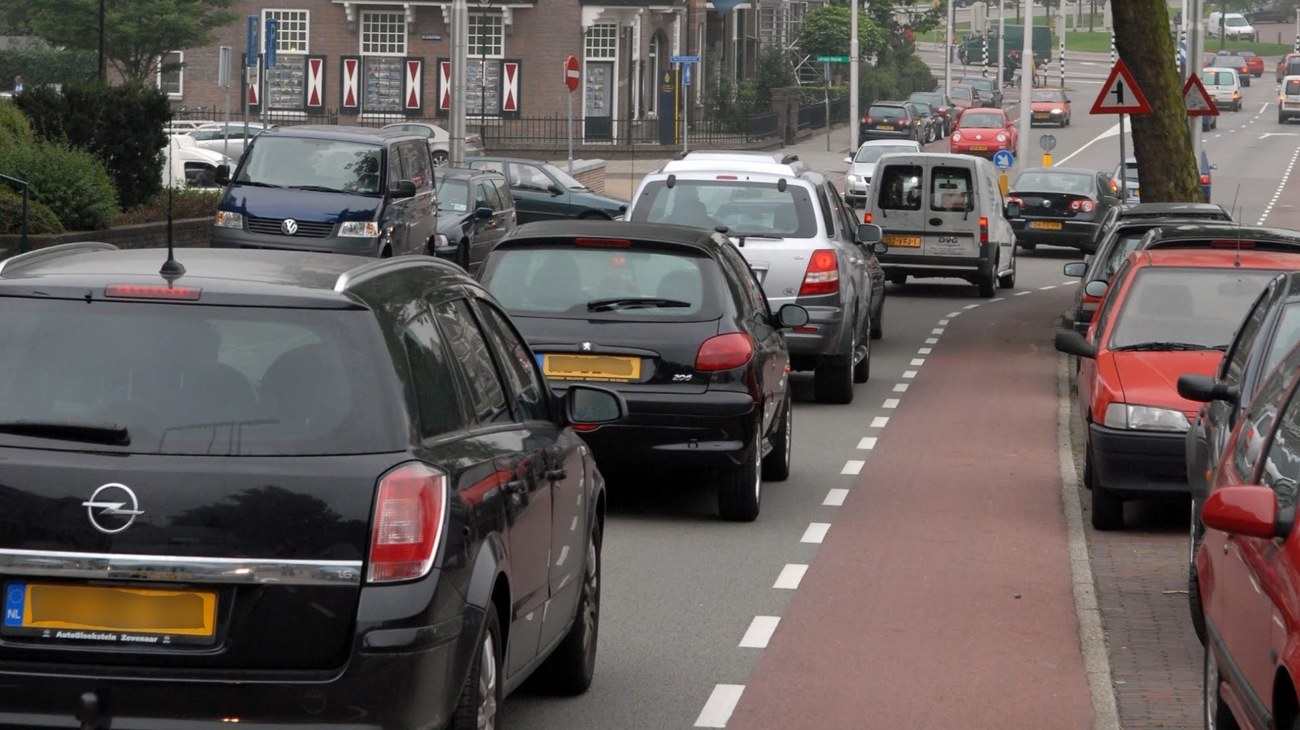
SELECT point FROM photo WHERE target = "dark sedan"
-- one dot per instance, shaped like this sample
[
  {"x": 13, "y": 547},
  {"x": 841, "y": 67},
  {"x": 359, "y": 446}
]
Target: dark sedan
[
  {"x": 892, "y": 120},
  {"x": 544, "y": 192},
  {"x": 475, "y": 210},
  {"x": 1061, "y": 206},
  {"x": 941, "y": 103},
  {"x": 988, "y": 87},
  {"x": 673, "y": 319}
]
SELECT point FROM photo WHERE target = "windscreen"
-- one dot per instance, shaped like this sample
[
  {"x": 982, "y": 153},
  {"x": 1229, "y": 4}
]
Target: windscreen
[
  {"x": 873, "y": 152},
  {"x": 196, "y": 380},
  {"x": 1235, "y": 21},
  {"x": 313, "y": 164},
  {"x": 1191, "y": 306},
  {"x": 1047, "y": 96},
  {"x": 1285, "y": 337},
  {"x": 980, "y": 120},
  {"x": 453, "y": 195},
  {"x": 745, "y": 207},
  {"x": 565, "y": 179}
]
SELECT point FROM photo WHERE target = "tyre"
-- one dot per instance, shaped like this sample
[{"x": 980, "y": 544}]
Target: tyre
[
  {"x": 1245, "y": 81},
  {"x": 1217, "y": 715},
  {"x": 480, "y": 698},
  {"x": 1281, "y": 119},
  {"x": 1194, "y": 535},
  {"x": 862, "y": 370},
  {"x": 740, "y": 489},
  {"x": 1008, "y": 280},
  {"x": 439, "y": 158},
  {"x": 833, "y": 380},
  {"x": 988, "y": 282},
  {"x": 776, "y": 465},
  {"x": 1107, "y": 507},
  {"x": 570, "y": 668}
]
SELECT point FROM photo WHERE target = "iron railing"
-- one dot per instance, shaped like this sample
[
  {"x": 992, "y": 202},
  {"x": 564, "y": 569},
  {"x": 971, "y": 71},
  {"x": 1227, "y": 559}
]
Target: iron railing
[{"x": 23, "y": 246}]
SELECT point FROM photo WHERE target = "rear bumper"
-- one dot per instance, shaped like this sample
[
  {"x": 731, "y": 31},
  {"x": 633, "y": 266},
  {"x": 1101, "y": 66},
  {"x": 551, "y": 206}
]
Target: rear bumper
[
  {"x": 925, "y": 266},
  {"x": 988, "y": 153},
  {"x": 1139, "y": 462},
  {"x": 1073, "y": 234}
]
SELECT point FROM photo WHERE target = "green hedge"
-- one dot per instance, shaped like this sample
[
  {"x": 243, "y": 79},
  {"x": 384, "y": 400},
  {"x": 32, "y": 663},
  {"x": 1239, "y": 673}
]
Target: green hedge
[
  {"x": 71, "y": 183},
  {"x": 14, "y": 127},
  {"x": 40, "y": 219},
  {"x": 41, "y": 66}
]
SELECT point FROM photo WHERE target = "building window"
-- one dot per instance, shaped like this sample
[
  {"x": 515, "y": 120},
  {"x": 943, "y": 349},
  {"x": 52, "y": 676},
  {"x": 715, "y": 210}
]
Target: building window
[
  {"x": 383, "y": 33},
  {"x": 383, "y": 43},
  {"x": 486, "y": 35},
  {"x": 483, "y": 72},
  {"x": 286, "y": 81},
  {"x": 652, "y": 98},
  {"x": 292, "y": 35},
  {"x": 602, "y": 41},
  {"x": 171, "y": 74}
]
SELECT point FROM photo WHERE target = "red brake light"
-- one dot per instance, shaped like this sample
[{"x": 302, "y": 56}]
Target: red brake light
[
  {"x": 407, "y": 526},
  {"x": 726, "y": 177},
  {"x": 1086, "y": 205},
  {"x": 823, "y": 274},
  {"x": 904, "y": 122},
  {"x": 1232, "y": 244},
  {"x": 984, "y": 230},
  {"x": 724, "y": 352},
  {"x": 1014, "y": 199},
  {"x": 603, "y": 242},
  {"x": 867, "y": 120},
  {"x": 1205, "y": 179},
  {"x": 866, "y": 217},
  {"x": 139, "y": 291}
]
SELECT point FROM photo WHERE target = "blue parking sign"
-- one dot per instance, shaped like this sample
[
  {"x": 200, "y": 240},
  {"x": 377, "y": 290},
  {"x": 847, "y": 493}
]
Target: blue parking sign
[
  {"x": 250, "y": 59},
  {"x": 1004, "y": 159},
  {"x": 272, "y": 38}
]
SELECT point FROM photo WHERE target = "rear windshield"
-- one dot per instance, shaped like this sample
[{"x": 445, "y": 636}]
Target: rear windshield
[
  {"x": 1217, "y": 78},
  {"x": 880, "y": 110},
  {"x": 745, "y": 207},
  {"x": 959, "y": 93},
  {"x": 1292, "y": 87},
  {"x": 196, "y": 380},
  {"x": 1055, "y": 182},
  {"x": 950, "y": 189},
  {"x": 900, "y": 187},
  {"x": 599, "y": 283},
  {"x": 314, "y": 164},
  {"x": 1193, "y": 306}
]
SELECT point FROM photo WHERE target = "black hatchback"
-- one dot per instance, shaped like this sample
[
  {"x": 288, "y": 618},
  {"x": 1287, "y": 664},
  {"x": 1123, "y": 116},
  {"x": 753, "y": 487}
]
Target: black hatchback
[
  {"x": 673, "y": 319},
  {"x": 283, "y": 489}
]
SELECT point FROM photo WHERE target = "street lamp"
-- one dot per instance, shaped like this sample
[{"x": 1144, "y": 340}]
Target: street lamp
[
  {"x": 102, "y": 70},
  {"x": 482, "y": 49}
]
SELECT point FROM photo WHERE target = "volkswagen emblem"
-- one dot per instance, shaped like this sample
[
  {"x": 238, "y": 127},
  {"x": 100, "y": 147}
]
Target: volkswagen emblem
[
  {"x": 112, "y": 508},
  {"x": 1047, "y": 203},
  {"x": 586, "y": 347},
  {"x": 289, "y": 226}
]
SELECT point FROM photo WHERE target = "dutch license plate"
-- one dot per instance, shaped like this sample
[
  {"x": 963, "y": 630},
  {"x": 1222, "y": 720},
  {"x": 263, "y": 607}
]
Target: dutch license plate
[
  {"x": 591, "y": 367},
  {"x": 1137, "y": 192},
  {"x": 1041, "y": 115},
  {"x": 979, "y": 148},
  {"x": 902, "y": 241},
  {"x": 1046, "y": 225},
  {"x": 144, "y": 616},
  {"x": 886, "y": 127},
  {"x": 1292, "y": 105}
]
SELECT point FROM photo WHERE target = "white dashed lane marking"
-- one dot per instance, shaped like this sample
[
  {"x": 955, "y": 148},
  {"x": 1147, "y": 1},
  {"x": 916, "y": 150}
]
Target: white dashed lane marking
[
  {"x": 720, "y": 705},
  {"x": 835, "y": 497},
  {"x": 932, "y": 340},
  {"x": 815, "y": 533},
  {"x": 970, "y": 306},
  {"x": 867, "y": 443},
  {"x": 924, "y": 351},
  {"x": 900, "y": 387},
  {"x": 1045, "y": 288},
  {"x": 936, "y": 331},
  {"x": 918, "y": 362},
  {"x": 790, "y": 576},
  {"x": 909, "y": 374},
  {"x": 760, "y": 632},
  {"x": 852, "y": 466},
  {"x": 1022, "y": 293},
  {"x": 890, "y": 403},
  {"x": 1281, "y": 185},
  {"x": 880, "y": 421}
]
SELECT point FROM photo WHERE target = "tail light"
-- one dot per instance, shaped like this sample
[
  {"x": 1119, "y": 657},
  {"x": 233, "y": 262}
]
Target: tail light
[
  {"x": 407, "y": 527},
  {"x": 984, "y": 230},
  {"x": 1205, "y": 179},
  {"x": 867, "y": 120},
  {"x": 1087, "y": 205},
  {"x": 724, "y": 352},
  {"x": 1018, "y": 201},
  {"x": 823, "y": 274},
  {"x": 1232, "y": 244},
  {"x": 866, "y": 217},
  {"x": 904, "y": 122}
]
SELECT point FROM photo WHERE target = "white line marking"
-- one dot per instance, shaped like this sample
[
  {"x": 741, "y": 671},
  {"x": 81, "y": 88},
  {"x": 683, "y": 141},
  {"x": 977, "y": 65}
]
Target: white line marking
[
  {"x": 717, "y": 710},
  {"x": 1045, "y": 288},
  {"x": 1069, "y": 282},
  {"x": 867, "y": 442},
  {"x": 890, "y": 403},
  {"x": 852, "y": 466},
  {"x": 880, "y": 421},
  {"x": 918, "y": 362},
  {"x": 790, "y": 576},
  {"x": 943, "y": 322},
  {"x": 900, "y": 387},
  {"x": 936, "y": 331},
  {"x": 1022, "y": 293},
  {"x": 924, "y": 351},
  {"x": 1268, "y": 209},
  {"x": 760, "y": 632},
  {"x": 932, "y": 340},
  {"x": 816, "y": 532},
  {"x": 1262, "y": 107},
  {"x": 970, "y": 306},
  {"x": 954, "y": 314},
  {"x": 1112, "y": 132},
  {"x": 909, "y": 374},
  {"x": 835, "y": 497},
  {"x": 998, "y": 299}
]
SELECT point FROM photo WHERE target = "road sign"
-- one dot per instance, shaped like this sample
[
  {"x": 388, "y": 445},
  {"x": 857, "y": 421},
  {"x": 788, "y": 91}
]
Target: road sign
[
  {"x": 832, "y": 59},
  {"x": 1120, "y": 94},
  {"x": 572, "y": 76},
  {"x": 1004, "y": 159},
  {"x": 250, "y": 58},
  {"x": 686, "y": 75},
  {"x": 685, "y": 59},
  {"x": 430, "y": 37},
  {"x": 1196, "y": 100},
  {"x": 272, "y": 40},
  {"x": 1047, "y": 142}
]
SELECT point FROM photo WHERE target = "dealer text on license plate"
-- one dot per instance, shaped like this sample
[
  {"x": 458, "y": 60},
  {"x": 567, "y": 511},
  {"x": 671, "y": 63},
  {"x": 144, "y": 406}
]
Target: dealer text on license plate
[
  {"x": 591, "y": 367},
  {"x": 117, "y": 615},
  {"x": 902, "y": 241},
  {"x": 1045, "y": 225}
]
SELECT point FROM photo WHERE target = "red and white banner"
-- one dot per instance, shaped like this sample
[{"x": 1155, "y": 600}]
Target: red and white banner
[
  {"x": 444, "y": 85},
  {"x": 510, "y": 86},
  {"x": 255, "y": 84},
  {"x": 414, "y": 84},
  {"x": 315, "y": 81},
  {"x": 351, "y": 83}
]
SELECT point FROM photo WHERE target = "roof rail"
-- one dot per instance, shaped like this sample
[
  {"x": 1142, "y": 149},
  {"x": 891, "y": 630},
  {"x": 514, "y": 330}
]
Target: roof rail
[
  {"x": 52, "y": 252},
  {"x": 370, "y": 270}
]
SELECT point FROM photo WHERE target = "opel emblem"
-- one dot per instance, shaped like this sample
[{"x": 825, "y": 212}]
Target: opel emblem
[
  {"x": 112, "y": 508},
  {"x": 586, "y": 347},
  {"x": 289, "y": 226}
]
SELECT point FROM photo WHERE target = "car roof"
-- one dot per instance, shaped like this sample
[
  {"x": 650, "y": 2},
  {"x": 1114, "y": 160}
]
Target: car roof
[
  {"x": 338, "y": 131},
  {"x": 1172, "y": 210},
  {"x": 1221, "y": 258},
  {"x": 1222, "y": 69},
  {"x": 1068, "y": 170},
  {"x": 464, "y": 173},
  {"x": 1228, "y": 231},
  {"x": 701, "y": 239},
  {"x": 922, "y": 158},
  {"x": 523, "y": 160}
]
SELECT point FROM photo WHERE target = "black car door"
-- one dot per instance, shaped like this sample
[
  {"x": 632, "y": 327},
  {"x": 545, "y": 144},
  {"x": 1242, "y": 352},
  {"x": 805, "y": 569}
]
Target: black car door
[
  {"x": 754, "y": 318},
  {"x": 422, "y": 210},
  {"x": 393, "y": 221},
  {"x": 487, "y": 230}
]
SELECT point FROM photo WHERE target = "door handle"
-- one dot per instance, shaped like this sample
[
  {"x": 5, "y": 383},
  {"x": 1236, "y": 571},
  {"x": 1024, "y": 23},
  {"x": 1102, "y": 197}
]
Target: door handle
[
  {"x": 556, "y": 475},
  {"x": 515, "y": 487},
  {"x": 936, "y": 221}
]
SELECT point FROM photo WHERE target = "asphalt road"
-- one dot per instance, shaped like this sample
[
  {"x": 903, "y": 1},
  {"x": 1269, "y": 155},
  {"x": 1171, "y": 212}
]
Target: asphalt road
[{"x": 690, "y": 603}]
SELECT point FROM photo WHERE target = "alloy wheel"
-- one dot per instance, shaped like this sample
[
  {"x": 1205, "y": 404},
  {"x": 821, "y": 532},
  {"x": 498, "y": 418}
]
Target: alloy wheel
[
  {"x": 487, "y": 684},
  {"x": 591, "y": 607}
]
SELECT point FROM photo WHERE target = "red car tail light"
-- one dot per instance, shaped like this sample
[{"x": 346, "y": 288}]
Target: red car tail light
[
  {"x": 1232, "y": 244},
  {"x": 984, "y": 230},
  {"x": 866, "y": 217},
  {"x": 724, "y": 352},
  {"x": 1205, "y": 179},
  {"x": 149, "y": 291},
  {"x": 407, "y": 526},
  {"x": 904, "y": 122},
  {"x": 603, "y": 242},
  {"x": 1018, "y": 201},
  {"x": 1087, "y": 205},
  {"x": 823, "y": 274},
  {"x": 867, "y": 120}
]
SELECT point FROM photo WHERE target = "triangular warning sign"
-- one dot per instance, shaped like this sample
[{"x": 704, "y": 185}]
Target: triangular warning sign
[
  {"x": 1120, "y": 94},
  {"x": 1196, "y": 100}
]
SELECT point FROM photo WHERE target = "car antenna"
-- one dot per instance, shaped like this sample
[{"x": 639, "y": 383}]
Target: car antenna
[
  {"x": 1236, "y": 262},
  {"x": 171, "y": 268}
]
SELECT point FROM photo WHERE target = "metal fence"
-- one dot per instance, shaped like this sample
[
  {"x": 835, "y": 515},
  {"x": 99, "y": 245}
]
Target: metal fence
[{"x": 813, "y": 116}]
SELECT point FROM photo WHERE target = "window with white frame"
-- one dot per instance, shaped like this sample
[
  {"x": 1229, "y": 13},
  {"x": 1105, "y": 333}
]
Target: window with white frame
[
  {"x": 383, "y": 33},
  {"x": 383, "y": 43},
  {"x": 486, "y": 35},
  {"x": 292, "y": 35},
  {"x": 171, "y": 74},
  {"x": 286, "y": 82},
  {"x": 602, "y": 41},
  {"x": 483, "y": 72}
]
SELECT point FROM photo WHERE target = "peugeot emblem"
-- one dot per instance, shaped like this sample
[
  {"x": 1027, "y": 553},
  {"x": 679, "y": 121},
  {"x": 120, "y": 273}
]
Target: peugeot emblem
[
  {"x": 112, "y": 508},
  {"x": 586, "y": 347},
  {"x": 289, "y": 226}
]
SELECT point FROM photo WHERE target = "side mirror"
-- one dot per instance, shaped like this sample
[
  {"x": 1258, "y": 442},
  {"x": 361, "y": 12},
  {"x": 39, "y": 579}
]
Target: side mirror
[
  {"x": 590, "y": 405},
  {"x": 484, "y": 213},
  {"x": 1013, "y": 209},
  {"x": 554, "y": 190},
  {"x": 1076, "y": 269},
  {"x": 791, "y": 315},
  {"x": 879, "y": 247},
  {"x": 402, "y": 189},
  {"x": 222, "y": 175},
  {"x": 848, "y": 160},
  {"x": 1096, "y": 288},
  {"x": 1073, "y": 343},
  {"x": 1246, "y": 510},
  {"x": 1203, "y": 389},
  {"x": 869, "y": 233}
]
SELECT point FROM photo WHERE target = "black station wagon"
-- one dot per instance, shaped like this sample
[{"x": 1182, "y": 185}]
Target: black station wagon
[{"x": 283, "y": 489}]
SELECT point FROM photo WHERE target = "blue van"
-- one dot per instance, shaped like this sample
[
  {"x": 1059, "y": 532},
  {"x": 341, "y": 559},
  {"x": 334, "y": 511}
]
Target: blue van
[{"x": 336, "y": 189}]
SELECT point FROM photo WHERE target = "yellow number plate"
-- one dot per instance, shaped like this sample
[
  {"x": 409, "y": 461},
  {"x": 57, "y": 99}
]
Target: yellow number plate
[
  {"x": 902, "y": 241},
  {"x": 979, "y": 148},
  {"x": 591, "y": 367},
  {"x": 885, "y": 127},
  {"x": 112, "y": 610},
  {"x": 1046, "y": 225}
]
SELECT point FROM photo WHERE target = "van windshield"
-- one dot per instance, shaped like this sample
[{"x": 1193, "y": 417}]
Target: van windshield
[
  {"x": 313, "y": 164},
  {"x": 1235, "y": 21},
  {"x": 1292, "y": 87}
]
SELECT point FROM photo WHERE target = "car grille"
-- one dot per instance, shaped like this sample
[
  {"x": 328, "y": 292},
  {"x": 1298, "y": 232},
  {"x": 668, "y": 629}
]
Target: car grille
[{"x": 272, "y": 226}]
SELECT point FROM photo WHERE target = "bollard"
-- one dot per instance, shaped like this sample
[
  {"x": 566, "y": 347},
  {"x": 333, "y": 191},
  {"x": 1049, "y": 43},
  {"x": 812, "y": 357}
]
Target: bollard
[{"x": 1047, "y": 159}]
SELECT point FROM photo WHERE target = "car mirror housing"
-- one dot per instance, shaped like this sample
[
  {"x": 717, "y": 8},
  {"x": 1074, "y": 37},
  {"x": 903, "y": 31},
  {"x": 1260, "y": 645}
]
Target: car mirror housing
[
  {"x": 590, "y": 405},
  {"x": 848, "y": 160},
  {"x": 222, "y": 175},
  {"x": 1073, "y": 343},
  {"x": 402, "y": 189},
  {"x": 484, "y": 213},
  {"x": 1203, "y": 389},
  {"x": 1096, "y": 288},
  {"x": 1247, "y": 510},
  {"x": 1075, "y": 269},
  {"x": 554, "y": 190},
  {"x": 869, "y": 233},
  {"x": 791, "y": 315}
]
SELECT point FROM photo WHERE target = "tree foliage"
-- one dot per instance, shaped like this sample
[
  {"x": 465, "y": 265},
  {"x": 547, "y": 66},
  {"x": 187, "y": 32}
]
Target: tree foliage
[
  {"x": 137, "y": 33},
  {"x": 825, "y": 32}
]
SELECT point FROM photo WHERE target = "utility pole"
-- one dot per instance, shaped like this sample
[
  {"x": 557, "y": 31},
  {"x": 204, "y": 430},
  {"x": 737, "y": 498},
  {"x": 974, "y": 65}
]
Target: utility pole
[
  {"x": 103, "y": 70},
  {"x": 459, "y": 64},
  {"x": 854, "y": 63},
  {"x": 1194, "y": 41},
  {"x": 1002, "y": 38},
  {"x": 947, "y": 50},
  {"x": 1026, "y": 88}
]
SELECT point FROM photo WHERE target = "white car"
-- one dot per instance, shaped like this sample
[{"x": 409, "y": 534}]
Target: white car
[
  {"x": 1235, "y": 27},
  {"x": 439, "y": 140},
  {"x": 1223, "y": 86},
  {"x": 857, "y": 180},
  {"x": 226, "y": 137},
  {"x": 185, "y": 126},
  {"x": 1288, "y": 99},
  {"x": 186, "y": 165}
]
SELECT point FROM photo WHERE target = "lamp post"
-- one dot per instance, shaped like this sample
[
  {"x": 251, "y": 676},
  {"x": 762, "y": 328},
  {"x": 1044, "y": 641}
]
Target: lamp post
[
  {"x": 482, "y": 78},
  {"x": 103, "y": 75}
]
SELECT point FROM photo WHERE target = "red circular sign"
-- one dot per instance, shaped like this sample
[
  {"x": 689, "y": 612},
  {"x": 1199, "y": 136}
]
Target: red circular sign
[{"x": 571, "y": 73}]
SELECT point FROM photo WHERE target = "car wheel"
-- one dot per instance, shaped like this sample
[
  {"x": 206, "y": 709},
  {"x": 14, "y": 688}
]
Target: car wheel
[
  {"x": 776, "y": 465},
  {"x": 833, "y": 378},
  {"x": 1281, "y": 119},
  {"x": 989, "y": 281},
  {"x": 480, "y": 698},
  {"x": 1217, "y": 715},
  {"x": 570, "y": 668},
  {"x": 440, "y": 158},
  {"x": 1107, "y": 507},
  {"x": 740, "y": 491},
  {"x": 862, "y": 369}
]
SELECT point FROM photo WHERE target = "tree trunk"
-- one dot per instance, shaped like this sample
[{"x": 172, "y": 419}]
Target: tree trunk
[{"x": 1160, "y": 141}]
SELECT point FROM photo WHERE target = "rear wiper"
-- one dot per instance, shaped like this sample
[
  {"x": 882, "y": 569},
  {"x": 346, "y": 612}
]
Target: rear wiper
[
  {"x": 740, "y": 237},
  {"x": 1167, "y": 346},
  {"x": 605, "y": 305},
  {"x": 94, "y": 433}
]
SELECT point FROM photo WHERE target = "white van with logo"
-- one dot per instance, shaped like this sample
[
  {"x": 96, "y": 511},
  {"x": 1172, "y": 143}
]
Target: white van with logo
[{"x": 942, "y": 215}]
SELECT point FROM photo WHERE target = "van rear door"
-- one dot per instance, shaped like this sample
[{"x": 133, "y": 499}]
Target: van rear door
[
  {"x": 951, "y": 214},
  {"x": 897, "y": 193}
]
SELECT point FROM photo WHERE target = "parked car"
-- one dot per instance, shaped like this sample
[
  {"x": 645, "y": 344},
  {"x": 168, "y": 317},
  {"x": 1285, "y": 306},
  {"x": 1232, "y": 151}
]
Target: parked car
[
  {"x": 989, "y": 88},
  {"x": 439, "y": 140},
  {"x": 1127, "y": 177},
  {"x": 186, "y": 165},
  {"x": 931, "y": 122},
  {"x": 475, "y": 211},
  {"x": 1232, "y": 26},
  {"x": 672, "y": 318},
  {"x": 857, "y": 181},
  {"x": 1269, "y": 14},
  {"x": 1288, "y": 99},
  {"x": 983, "y": 132},
  {"x": 941, "y": 103},
  {"x": 1061, "y": 206},
  {"x": 1284, "y": 66},
  {"x": 1236, "y": 63},
  {"x": 1049, "y": 106},
  {"x": 892, "y": 120},
  {"x": 285, "y": 485},
  {"x": 184, "y": 126},
  {"x": 801, "y": 241},
  {"x": 1166, "y": 312},
  {"x": 964, "y": 97},
  {"x": 1254, "y": 63},
  {"x": 227, "y": 138},
  {"x": 543, "y": 191}
]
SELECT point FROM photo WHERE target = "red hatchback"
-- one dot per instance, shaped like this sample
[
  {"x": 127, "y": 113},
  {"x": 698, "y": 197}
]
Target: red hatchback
[
  {"x": 1166, "y": 312},
  {"x": 982, "y": 132}
]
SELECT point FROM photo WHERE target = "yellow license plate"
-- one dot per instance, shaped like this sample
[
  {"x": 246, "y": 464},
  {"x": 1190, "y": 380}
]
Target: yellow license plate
[
  {"x": 902, "y": 241},
  {"x": 591, "y": 367},
  {"x": 1292, "y": 105},
  {"x": 1046, "y": 225},
  {"x": 979, "y": 148},
  {"x": 1137, "y": 192},
  {"x": 95, "y": 611},
  {"x": 886, "y": 127}
]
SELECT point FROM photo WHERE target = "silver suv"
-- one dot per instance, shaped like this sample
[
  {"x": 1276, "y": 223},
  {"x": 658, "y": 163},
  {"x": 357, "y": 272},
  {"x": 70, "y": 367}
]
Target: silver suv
[{"x": 799, "y": 239}]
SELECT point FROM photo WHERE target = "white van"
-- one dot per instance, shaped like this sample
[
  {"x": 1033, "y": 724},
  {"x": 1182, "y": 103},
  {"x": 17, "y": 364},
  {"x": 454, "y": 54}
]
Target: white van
[
  {"x": 1223, "y": 86},
  {"x": 1288, "y": 99},
  {"x": 1235, "y": 27},
  {"x": 942, "y": 215}
]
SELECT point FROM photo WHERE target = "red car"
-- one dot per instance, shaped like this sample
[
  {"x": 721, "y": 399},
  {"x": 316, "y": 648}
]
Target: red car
[
  {"x": 1283, "y": 66},
  {"x": 982, "y": 132},
  {"x": 1049, "y": 106},
  {"x": 1253, "y": 62},
  {"x": 1166, "y": 312},
  {"x": 964, "y": 97}
]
